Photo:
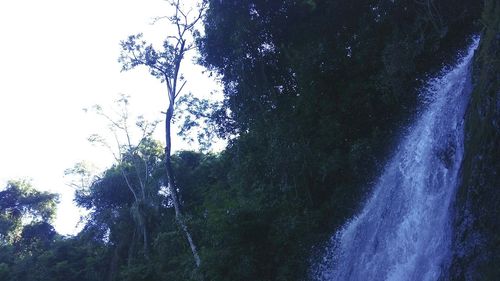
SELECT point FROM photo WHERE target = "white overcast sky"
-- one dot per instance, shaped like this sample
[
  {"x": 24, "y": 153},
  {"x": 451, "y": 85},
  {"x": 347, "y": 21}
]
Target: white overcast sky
[{"x": 58, "y": 57}]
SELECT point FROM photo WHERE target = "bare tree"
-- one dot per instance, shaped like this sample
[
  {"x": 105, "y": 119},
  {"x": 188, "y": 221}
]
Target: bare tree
[
  {"x": 131, "y": 161},
  {"x": 165, "y": 65}
]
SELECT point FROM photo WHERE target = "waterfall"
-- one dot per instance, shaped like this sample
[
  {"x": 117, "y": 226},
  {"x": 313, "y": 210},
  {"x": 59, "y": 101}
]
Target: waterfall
[{"x": 403, "y": 231}]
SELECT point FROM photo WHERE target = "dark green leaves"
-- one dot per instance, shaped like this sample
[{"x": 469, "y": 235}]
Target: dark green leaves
[
  {"x": 21, "y": 205},
  {"x": 136, "y": 52}
]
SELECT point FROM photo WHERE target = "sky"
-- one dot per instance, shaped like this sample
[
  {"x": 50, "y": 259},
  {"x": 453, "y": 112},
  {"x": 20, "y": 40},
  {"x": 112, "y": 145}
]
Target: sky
[{"x": 59, "y": 57}]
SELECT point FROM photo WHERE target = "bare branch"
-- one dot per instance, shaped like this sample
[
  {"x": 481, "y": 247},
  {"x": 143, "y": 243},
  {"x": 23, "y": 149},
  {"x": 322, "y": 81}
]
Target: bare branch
[
  {"x": 129, "y": 185},
  {"x": 178, "y": 92}
]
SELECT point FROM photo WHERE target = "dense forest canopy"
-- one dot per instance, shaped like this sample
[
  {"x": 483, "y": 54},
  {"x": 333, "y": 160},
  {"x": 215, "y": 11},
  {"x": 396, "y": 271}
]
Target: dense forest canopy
[{"x": 315, "y": 94}]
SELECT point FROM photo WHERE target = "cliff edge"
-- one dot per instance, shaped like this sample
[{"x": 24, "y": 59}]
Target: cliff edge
[{"x": 477, "y": 208}]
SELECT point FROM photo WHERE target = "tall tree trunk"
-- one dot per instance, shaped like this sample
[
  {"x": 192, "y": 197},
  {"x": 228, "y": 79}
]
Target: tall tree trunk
[
  {"x": 135, "y": 53},
  {"x": 173, "y": 188}
]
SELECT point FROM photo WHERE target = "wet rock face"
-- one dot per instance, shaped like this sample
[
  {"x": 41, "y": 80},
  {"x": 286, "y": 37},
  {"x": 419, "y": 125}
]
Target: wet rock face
[
  {"x": 476, "y": 245},
  {"x": 447, "y": 153}
]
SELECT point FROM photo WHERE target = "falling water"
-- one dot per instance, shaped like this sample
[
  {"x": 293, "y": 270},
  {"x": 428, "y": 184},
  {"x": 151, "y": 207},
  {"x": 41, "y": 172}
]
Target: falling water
[{"x": 403, "y": 232}]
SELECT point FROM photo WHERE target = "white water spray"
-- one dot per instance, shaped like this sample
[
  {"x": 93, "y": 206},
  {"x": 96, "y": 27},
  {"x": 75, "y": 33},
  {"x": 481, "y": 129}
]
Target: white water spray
[{"x": 404, "y": 230}]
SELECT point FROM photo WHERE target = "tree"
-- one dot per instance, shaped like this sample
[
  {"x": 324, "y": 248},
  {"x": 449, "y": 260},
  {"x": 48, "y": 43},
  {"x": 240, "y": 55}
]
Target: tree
[
  {"x": 21, "y": 205},
  {"x": 135, "y": 162},
  {"x": 315, "y": 91},
  {"x": 165, "y": 65}
]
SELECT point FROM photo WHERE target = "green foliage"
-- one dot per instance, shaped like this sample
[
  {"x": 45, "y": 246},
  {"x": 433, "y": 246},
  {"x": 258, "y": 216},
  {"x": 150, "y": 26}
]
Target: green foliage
[
  {"x": 23, "y": 206},
  {"x": 315, "y": 92},
  {"x": 196, "y": 119},
  {"x": 68, "y": 260}
]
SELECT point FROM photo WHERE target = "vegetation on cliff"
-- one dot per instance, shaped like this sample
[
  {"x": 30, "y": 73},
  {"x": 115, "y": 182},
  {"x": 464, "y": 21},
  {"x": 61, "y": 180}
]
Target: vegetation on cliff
[
  {"x": 477, "y": 227},
  {"x": 315, "y": 94}
]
